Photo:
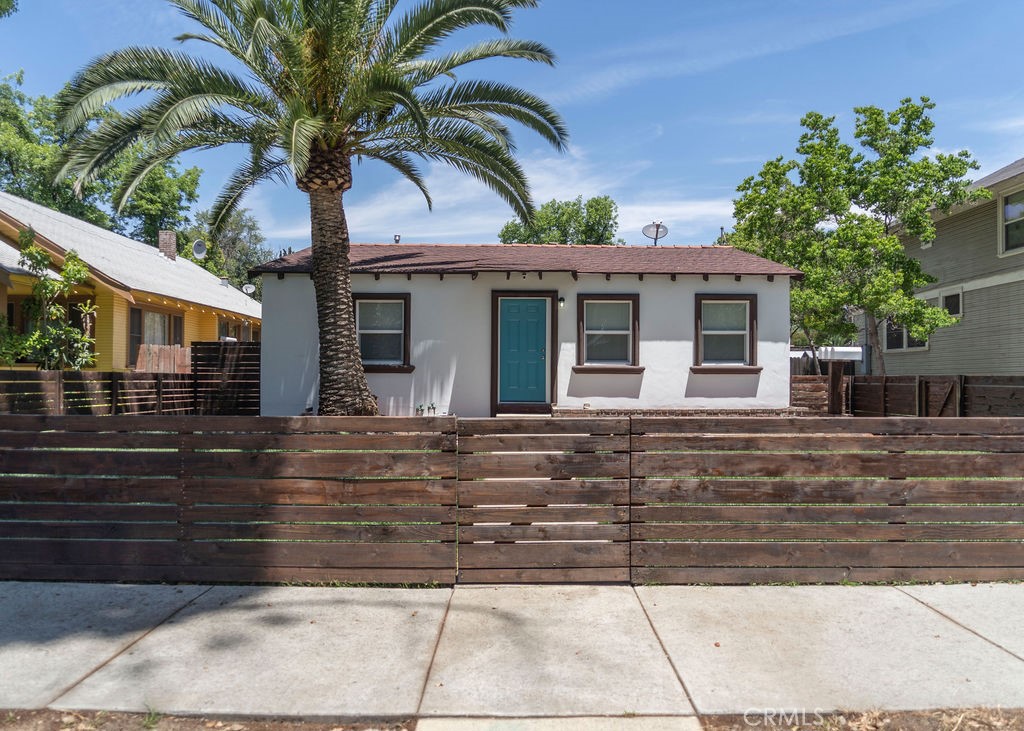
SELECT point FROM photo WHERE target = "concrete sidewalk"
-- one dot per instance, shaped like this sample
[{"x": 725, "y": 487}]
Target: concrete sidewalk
[{"x": 489, "y": 657}]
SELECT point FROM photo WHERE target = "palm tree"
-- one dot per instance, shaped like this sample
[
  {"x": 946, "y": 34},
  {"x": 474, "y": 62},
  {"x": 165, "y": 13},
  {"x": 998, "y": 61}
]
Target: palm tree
[{"x": 325, "y": 81}]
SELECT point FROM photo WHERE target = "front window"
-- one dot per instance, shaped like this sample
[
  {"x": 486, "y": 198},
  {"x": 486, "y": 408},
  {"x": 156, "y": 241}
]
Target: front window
[
  {"x": 608, "y": 330},
  {"x": 382, "y": 326},
  {"x": 725, "y": 330}
]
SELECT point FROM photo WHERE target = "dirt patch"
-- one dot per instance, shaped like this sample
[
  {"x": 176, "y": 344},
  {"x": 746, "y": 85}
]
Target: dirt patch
[
  {"x": 971, "y": 719},
  {"x": 107, "y": 721}
]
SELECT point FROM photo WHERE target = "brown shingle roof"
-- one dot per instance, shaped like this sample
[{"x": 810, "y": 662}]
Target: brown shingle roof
[{"x": 468, "y": 258}]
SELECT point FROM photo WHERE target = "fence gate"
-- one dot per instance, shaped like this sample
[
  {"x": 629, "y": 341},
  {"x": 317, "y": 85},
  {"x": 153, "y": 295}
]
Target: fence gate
[{"x": 543, "y": 500}]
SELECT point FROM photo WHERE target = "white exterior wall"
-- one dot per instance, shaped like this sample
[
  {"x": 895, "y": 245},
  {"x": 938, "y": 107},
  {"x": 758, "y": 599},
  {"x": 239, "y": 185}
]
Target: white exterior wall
[{"x": 451, "y": 344}]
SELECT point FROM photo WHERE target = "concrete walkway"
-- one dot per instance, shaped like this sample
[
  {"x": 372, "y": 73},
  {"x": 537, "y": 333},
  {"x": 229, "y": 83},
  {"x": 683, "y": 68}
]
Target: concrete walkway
[{"x": 533, "y": 657}]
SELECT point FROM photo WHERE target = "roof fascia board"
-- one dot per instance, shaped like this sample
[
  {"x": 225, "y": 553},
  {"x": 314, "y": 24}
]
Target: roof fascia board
[{"x": 58, "y": 252}]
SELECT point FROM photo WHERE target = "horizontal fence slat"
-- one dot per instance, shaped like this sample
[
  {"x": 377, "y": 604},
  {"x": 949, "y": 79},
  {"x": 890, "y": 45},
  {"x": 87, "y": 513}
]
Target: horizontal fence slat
[
  {"x": 557, "y": 466},
  {"x": 708, "y": 490},
  {"x": 320, "y": 492},
  {"x": 826, "y": 532},
  {"x": 548, "y": 514},
  {"x": 545, "y": 426},
  {"x": 777, "y": 575},
  {"x": 315, "y": 464},
  {"x": 543, "y": 492},
  {"x": 838, "y": 464},
  {"x": 828, "y": 513},
  {"x": 545, "y": 532},
  {"x": 544, "y": 576},
  {"x": 543, "y": 555},
  {"x": 551, "y": 442},
  {"x": 817, "y": 554}
]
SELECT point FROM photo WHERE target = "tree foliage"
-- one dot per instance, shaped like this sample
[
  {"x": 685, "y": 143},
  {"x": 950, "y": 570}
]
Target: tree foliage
[
  {"x": 593, "y": 222},
  {"x": 837, "y": 213},
  {"x": 324, "y": 82},
  {"x": 239, "y": 244},
  {"x": 30, "y": 149},
  {"x": 61, "y": 332},
  {"x": 7, "y": 7}
]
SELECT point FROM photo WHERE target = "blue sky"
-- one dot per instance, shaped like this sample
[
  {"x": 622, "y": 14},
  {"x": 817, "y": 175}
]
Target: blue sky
[{"x": 670, "y": 103}]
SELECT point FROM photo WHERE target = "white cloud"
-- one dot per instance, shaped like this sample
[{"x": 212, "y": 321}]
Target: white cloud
[{"x": 467, "y": 212}]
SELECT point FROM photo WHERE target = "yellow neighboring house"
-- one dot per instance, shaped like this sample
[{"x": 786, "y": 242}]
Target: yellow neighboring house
[{"x": 143, "y": 294}]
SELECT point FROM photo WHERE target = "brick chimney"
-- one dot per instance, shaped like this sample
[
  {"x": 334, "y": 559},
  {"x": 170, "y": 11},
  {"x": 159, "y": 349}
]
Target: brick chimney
[{"x": 167, "y": 242}]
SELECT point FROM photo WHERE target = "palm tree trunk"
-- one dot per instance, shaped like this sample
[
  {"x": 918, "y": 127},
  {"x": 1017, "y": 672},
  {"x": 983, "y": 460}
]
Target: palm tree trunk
[{"x": 343, "y": 387}]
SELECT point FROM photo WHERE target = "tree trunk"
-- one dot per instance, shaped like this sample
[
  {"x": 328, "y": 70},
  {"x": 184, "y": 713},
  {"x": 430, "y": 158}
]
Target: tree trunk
[
  {"x": 871, "y": 326},
  {"x": 814, "y": 352},
  {"x": 343, "y": 387}
]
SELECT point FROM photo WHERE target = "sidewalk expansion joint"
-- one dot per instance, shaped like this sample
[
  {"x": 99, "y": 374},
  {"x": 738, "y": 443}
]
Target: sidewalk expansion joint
[
  {"x": 125, "y": 649},
  {"x": 974, "y": 632},
  {"x": 433, "y": 655},
  {"x": 664, "y": 650}
]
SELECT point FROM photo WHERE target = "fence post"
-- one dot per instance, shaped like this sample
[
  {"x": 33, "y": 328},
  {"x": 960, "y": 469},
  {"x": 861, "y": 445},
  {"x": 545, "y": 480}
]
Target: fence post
[
  {"x": 835, "y": 388},
  {"x": 159, "y": 394},
  {"x": 920, "y": 396},
  {"x": 60, "y": 393},
  {"x": 115, "y": 391}
]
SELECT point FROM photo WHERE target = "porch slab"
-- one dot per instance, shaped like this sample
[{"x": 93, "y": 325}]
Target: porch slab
[
  {"x": 805, "y": 649},
  {"x": 535, "y": 651},
  {"x": 994, "y": 611},
  {"x": 52, "y": 635},
  {"x": 279, "y": 651}
]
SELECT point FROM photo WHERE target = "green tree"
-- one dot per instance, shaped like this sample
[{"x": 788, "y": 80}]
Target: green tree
[
  {"x": 7, "y": 7},
  {"x": 837, "y": 214},
  {"x": 240, "y": 243},
  {"x": 595, "y": 221},
  {"x": 30, "y": 151},
  {"x": 56, "y": 341},
  {"x": 326, "y": 82}
]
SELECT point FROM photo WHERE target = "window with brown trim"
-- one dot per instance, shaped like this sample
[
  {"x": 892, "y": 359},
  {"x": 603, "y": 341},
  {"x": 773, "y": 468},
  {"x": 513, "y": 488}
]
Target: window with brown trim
[
  {"x": 382, "y": 327},
  {"x": 608, "y": 333},
  {"x": 725, "y": 337},
  {"x": 153, "y": 327}
]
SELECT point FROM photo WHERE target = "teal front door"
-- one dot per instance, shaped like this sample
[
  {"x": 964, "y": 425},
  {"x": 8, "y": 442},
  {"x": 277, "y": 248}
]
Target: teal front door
[{"x": 522, "y": 350}]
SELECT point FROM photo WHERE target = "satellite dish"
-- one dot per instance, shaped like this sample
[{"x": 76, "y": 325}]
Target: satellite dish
[
  {"x": 248, "y": 288},
  {"x": 199, "y": 249},
  {"x": 655, "y": 231}
]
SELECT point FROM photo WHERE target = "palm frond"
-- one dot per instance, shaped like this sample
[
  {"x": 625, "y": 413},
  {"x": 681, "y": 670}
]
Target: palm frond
[
  {"x": 242, "y": 180},
  {"x": 424, "y": 71}
]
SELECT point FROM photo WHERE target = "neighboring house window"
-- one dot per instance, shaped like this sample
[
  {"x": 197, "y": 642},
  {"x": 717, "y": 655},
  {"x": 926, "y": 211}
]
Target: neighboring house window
[
  {"x": 382, "y": 326},
  {"x": 898, "y": 337},
  {"x": 953, "y": 304},
  {"x": 229, "y": 329},
  {"x": 726, "y": 332},
  {"x": 608, "y": 330},
  {"x": 149, "y": 327},
  {"x": 1012, "y": 214}
]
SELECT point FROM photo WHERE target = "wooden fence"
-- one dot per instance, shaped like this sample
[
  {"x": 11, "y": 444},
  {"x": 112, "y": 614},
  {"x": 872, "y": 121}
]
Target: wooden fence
[
  {"x": 938, "y": 396},
  {"x": 96, "y": 393},
  {"x": 226, "y": 499},
  {"x": 543, "y": 500},
  {"x": 436, "y": 499},
  {"x": 226, "y": 382},
  {"x": 227, "y": 378}
]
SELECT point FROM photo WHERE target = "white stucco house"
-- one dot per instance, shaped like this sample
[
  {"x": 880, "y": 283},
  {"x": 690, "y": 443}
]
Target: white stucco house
[{"x": 479, "y": 330}]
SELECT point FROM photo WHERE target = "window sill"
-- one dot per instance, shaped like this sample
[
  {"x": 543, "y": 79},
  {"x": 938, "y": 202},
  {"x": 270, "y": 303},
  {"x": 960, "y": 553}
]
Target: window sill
[
  {"x": 379, "y": 368},
  {"x": 727, "y": 370},
  {"x": 608, "y": 369}
]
